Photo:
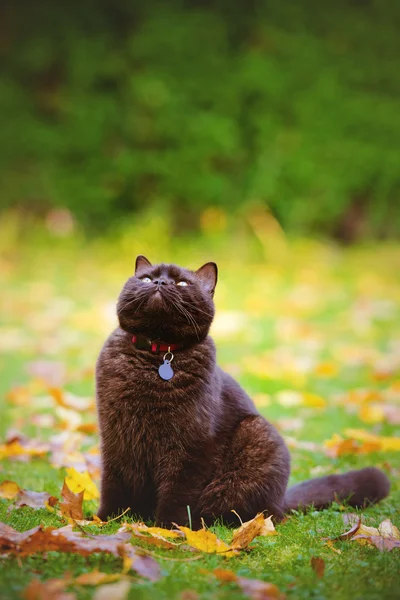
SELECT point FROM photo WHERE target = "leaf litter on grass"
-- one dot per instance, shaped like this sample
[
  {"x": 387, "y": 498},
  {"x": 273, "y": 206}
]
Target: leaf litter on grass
[{"x": 330, "y": 346}]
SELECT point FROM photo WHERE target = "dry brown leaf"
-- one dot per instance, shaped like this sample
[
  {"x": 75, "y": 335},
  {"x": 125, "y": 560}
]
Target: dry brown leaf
[
  {"x": 143, "y": 564},
  {"x": 72, "y": 505},
  {"x": 385, "y": 537},
  {"x": 259, "y": 526},
  {"x": 253, "y": 588},
  {"x": 52, "y": 589},
  {"x": 40, "y": 539},
  {"x": 114, "y": 591},
  {"x": 34, "y": 499},
  {"x": 9, "y": 489},
  {"x": 318, "y": 566},
  {"x": 189, "y": 595},
  {"x": 206, "y": 541}
]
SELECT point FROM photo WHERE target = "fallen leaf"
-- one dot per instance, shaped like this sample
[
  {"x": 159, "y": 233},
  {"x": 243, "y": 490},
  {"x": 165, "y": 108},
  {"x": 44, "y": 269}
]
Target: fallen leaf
[
  {"x": 259, "y": 526},
  {"x": 72, "y": 505},
  {"x": 52, "y": 589},
  {"x": 16, "y": 450},
  {"x": 385, "y": 537},
  {"x": 143, "y": 564},
  {"x": 71, "y": 401},
  {"x": 189, "y": 595},
  {"x": 116, "y": 591},
  {"x": 97, "y": 578},
  {"x": 385, "y": 443},
  {"x": 34, "y": 499},
  {"x": 318, "y": 566},
  {"x": 206, "y": 541},
  {"x": 77, "y": 482},
  {"x": 253, "y": 588},
  {"x": 41, "y": 539},
  {"x": 9, "y": 489},
  {"x": 167, "y": 533}
]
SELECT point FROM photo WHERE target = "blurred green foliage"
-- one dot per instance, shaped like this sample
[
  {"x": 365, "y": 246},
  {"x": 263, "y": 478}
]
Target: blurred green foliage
[{"x": 109, "y": 106}]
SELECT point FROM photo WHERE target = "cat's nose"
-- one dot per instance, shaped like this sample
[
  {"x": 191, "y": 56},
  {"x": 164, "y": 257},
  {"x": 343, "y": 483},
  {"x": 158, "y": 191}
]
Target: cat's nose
[{"x": 160, "y": 281}]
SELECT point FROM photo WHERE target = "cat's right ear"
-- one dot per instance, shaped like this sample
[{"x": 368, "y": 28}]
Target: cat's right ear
[
  {"x": 208, "y": 275},
  {"x": 141, "y": 262}
]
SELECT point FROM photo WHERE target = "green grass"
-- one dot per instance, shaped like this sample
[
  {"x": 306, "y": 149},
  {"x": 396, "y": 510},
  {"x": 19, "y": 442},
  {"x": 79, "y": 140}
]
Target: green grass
[{"x": 315, "y": 304}]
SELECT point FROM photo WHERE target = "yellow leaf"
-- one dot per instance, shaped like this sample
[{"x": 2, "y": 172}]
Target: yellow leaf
[
  {"x": 77, "y": 482},
  {"x": 9, "y": 489},
  {"x": 249, "y": 530},
  {"x": 206, "y": 541},
  {"x": 97, "y": 578},
  {"x": 16, "y": 449},
  {"x": 313, "y": 400},
  {"x": 167, "y": 533},
  {"x": 387, "y": 529},
  {"x": 371, "y": 413},
  {"x": 326, "y": 369},
  {"x": 385, "y": 442}
]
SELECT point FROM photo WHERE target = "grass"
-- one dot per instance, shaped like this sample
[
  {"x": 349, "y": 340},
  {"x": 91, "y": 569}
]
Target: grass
[{"x": 312, "y": 319}]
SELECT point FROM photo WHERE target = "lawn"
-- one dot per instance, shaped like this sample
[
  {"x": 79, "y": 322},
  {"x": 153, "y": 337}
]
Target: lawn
[{"x": 313, "y": 334}]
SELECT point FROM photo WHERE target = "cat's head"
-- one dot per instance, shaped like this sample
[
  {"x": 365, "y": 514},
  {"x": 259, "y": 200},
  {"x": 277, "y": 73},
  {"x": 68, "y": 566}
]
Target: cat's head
[{"x": 167, "y": 302}]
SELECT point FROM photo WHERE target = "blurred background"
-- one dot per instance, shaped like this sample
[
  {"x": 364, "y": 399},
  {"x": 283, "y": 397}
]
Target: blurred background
[{"x": 205, "y": 115}]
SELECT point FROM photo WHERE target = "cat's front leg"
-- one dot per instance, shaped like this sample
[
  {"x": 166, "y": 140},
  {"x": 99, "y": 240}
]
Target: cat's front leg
[
  {"x": 179, "y": 492},
  {"x": 115, "y": 494}
]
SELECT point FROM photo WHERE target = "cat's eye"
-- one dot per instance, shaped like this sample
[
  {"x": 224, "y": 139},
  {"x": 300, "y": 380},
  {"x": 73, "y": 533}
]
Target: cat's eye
[
  {"x": 182, "y": 283},
  {"x": 146, "y": 279}
]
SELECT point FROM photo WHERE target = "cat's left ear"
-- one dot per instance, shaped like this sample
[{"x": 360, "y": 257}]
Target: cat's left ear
[
  {"x": 141, "y": 262},
  {"x": 208, "y": 275}
]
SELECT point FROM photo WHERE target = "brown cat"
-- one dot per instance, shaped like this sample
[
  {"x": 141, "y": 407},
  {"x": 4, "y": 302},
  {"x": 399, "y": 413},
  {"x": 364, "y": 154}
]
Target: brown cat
[{"x": 177, "y": 431}]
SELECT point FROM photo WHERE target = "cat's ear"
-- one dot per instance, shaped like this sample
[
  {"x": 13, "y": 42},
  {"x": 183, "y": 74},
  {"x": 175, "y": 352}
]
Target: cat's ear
[
  {"x": 208, "y": 275},
  {"x": 141, "y": 262}
]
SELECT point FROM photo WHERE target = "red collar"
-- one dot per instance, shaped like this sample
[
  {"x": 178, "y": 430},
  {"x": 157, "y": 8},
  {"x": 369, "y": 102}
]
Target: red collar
[{"x": 144, "y": 343}]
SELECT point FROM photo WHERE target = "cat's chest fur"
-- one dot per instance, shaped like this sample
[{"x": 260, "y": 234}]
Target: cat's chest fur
[{"x": 146, "y": 418}]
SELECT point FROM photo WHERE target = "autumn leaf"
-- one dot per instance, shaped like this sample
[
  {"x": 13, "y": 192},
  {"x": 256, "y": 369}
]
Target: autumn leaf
[
  {"x": 206, "y": 541},
  {"x": 77, "y": 482},
  {"x": 385, "y": 537},
  {"x": 9, "y": 489},
  {"x": 153, "y": 539},
  {"x": 114, "y": 591},
  {"x": 318, "y": 566},
  {"x": 41, "y": 539},
  {"x": 16, "y": 450},
  {"x": 253, "y": 588},
  {"x": 166, "y": 533},
  {"x": 70, "y": 401},
  {"x": 97, "y": 578},
  {"x": 72, "y": 505},
  {"x": 385, "y": 443},
  {"x": 34, "y": 499},
  {"x": 143, "y": 564},
  {"x": 259, "y": 526},
  {"x": 52, "y": 589}
]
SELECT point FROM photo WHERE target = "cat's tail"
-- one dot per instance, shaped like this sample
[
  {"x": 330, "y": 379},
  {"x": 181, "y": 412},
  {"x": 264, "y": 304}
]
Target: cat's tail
[{"x": 357, "y": 488}]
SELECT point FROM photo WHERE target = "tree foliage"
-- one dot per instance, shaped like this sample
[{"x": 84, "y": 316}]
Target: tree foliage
[{"x": 107, "y": 107}]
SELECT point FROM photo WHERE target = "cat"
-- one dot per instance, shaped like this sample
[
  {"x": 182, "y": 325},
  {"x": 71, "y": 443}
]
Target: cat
[{"x": 187, "y": 434}]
